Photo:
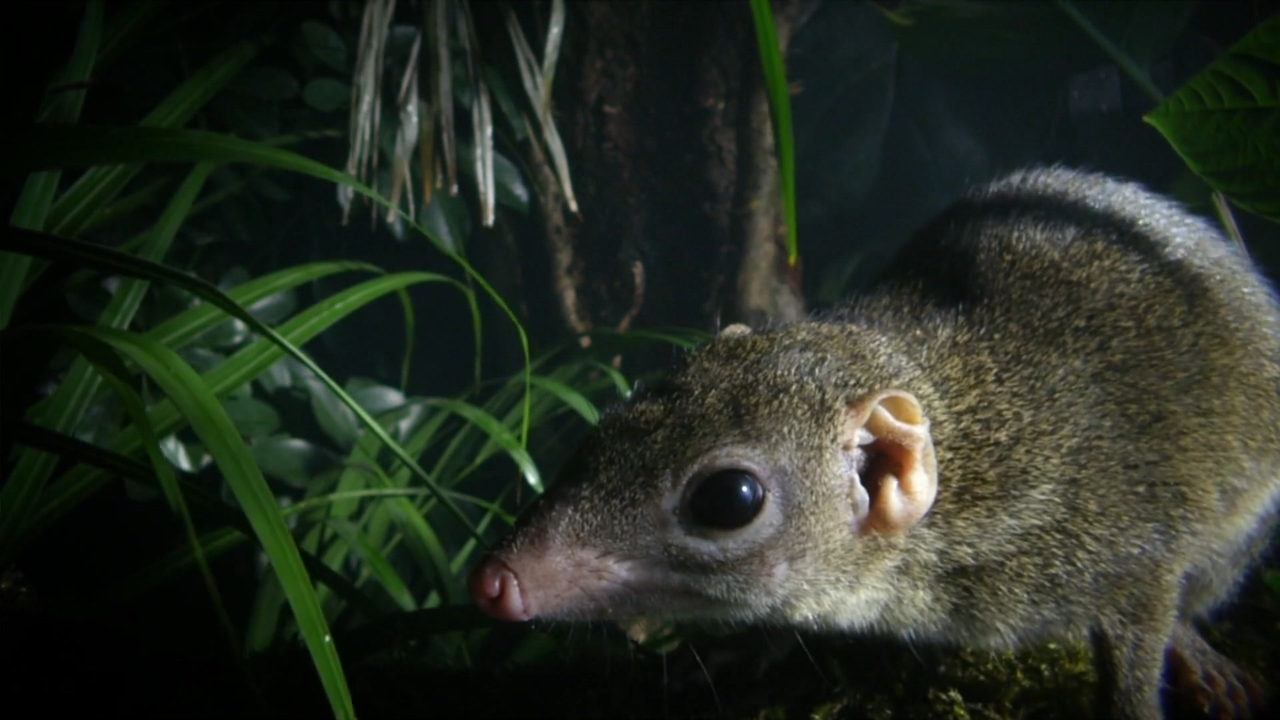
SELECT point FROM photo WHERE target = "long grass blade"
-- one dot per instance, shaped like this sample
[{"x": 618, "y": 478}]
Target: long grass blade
[
  {"x": 49, "y": 147},
  {"x": 78, "y": 206},
  {"x": 38, "y": 192},
  {"x": 114, "y": 372},
  {"x": 775, "y": 82},
  {"x": 64, "y": 409},
  {"x": 203, "y": 411},
  {"x": 242, "y": 367}
]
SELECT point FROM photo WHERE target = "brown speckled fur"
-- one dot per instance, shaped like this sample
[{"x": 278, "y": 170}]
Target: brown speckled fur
[{"x": 1101, "y": 374}]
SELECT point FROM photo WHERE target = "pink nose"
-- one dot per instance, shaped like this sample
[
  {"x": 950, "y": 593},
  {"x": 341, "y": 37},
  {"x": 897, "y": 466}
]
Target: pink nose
[{"x": 497, "y": 591}]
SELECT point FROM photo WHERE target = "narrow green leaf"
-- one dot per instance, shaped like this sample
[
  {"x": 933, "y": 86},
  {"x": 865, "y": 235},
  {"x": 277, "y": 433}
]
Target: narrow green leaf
[
  {"x": 127, "y": 22},
  {"x": 192, "y": 397},
  {"x": 238, "y": 370},
  {"x": 570, "y": 397},
  {"x": 184, "y": 327},
  {"x": 116, "y": 374},
  {"x": 497, "y": 432},
  {"x": 38, "y": 192},
  {"x": 78, "y": 206},
  {"x": 43, "y": 147},
  {"x": 64, "y": 104},
  {"x": 64, "y": 409},
  {"x": 775, "y": 81},
  {"x": 378, "y": 565},
  {"x": 213, "y": 543},
  {"x": 619, "y": 380}
]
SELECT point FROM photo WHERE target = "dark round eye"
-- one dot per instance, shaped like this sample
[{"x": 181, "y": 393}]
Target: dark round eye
[{"x": 726, "y": 500}]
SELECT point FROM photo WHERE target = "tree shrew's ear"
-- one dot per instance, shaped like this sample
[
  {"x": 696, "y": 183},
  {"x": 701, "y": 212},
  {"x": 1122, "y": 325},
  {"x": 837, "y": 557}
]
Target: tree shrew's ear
[
  {"x": 734, "y": 330},
  {"x": 889, "y": 462}
]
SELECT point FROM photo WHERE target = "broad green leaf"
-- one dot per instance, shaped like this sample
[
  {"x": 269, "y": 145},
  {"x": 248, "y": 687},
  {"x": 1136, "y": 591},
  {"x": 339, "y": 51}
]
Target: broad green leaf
[
  {"x": 183, "y": 328},
  {"x": 1272, "y": 580},
  {"x": 447, "y": 218},
  {"x": 1225, "y": 122},
  {"x": 336, "y": 419},
  {"x": 253, "y": 418},
  {"x": 374, "y": 396},
  {"x": 201, "y": 358},
  {"x": 264, "y": 614},
  {"x": 326, "y": 45},
  {"x": 511, "y": 190},
  {"x": 497, "y": 86},
  {"x": 326, "y": 94},
  {"x": 291, "y": 460},
  {"x": 213, "y": 543}
]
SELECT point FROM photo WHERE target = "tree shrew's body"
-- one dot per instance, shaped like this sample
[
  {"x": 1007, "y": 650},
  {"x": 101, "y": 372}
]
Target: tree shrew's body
[{"x": 1058, "y": 417}]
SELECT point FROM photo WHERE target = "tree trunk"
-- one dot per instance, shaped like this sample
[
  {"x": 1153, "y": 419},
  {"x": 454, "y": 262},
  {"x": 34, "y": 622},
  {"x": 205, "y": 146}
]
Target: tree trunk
[{"x": 666, "y": 125}]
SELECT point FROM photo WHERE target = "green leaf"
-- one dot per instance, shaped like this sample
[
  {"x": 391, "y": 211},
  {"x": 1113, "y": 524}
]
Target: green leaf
[
  {"x": 276, "y": 377},
  {"x": 45, "y": 147},
  {"x": 376, "y": 562},
  {"x": 498, "y": 86},
  {"x": 79, "y": 206},
  {"x": 64, "y": 409},
  {"x": 374, "y": 396},
  {"x": 509, "y": 183},
  {"x": 117, "y": 376},
  {"x": 496, "y": 432},
  {"x": 447, "y": 218},
  {"x": 186, "y": 326},
  {"x": 212, "y": 543},
  {"x": 228, "y": 376},
  {"x": 775, "y": 82},
  {"x": 335, "y": 418},
  {"x": 1225, "y": 122},
  {"x": 252, "y": 417},
  {"x": 326, "y": 45},
  {"x": 32, "y": 209},
  {"x": 1272, "y": 580},
  {"x": 291, "y": 460},
  {"x": 127, "y": 22},
  {"x": 192, "y": 397},
  {"x": 326, "y": 94},
  {"x": 570, "y": 397}
]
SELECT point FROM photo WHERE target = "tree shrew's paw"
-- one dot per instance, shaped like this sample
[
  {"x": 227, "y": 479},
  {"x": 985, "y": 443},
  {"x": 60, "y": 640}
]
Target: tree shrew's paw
[{"x": 1206, "y": 684}]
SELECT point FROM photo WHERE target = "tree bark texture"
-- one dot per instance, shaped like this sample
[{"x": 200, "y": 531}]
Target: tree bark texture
[{"x": 670, "y": 146}]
